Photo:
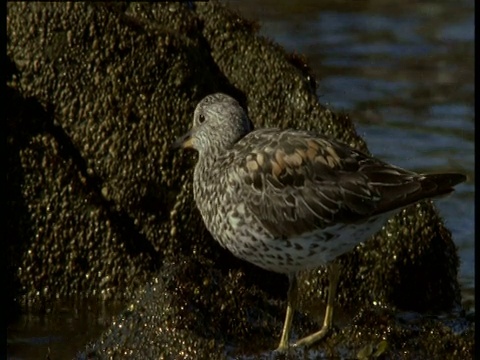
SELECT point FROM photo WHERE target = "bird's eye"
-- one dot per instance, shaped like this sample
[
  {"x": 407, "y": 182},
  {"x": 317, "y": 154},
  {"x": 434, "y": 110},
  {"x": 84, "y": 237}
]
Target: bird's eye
[{"x": 201, "y": 118}]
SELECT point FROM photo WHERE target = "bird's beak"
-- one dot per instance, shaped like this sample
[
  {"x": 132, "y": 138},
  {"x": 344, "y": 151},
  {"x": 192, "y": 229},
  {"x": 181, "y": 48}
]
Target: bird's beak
[{"x": 185, "y": 141}]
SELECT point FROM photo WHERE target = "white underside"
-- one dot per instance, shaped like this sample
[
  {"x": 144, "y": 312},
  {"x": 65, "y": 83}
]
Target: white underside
[{"x": 305, "y": 252}]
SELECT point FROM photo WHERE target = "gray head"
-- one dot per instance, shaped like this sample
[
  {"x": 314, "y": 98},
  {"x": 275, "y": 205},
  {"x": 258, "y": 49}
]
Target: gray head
[{"x": 218, "y": 123}]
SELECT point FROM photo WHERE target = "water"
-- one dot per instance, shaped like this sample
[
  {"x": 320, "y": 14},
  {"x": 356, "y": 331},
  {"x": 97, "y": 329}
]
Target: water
[
  {"x": 405, "y": 73},
  {"x": 62, "y": 334}
]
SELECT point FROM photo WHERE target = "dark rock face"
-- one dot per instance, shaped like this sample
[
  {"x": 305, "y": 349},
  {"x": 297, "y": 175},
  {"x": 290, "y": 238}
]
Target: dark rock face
[{"x": 98, "y": 205}]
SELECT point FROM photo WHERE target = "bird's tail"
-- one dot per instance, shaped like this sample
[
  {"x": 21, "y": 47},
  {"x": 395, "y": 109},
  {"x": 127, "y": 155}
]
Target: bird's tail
[{"x": 440, "y": 184}]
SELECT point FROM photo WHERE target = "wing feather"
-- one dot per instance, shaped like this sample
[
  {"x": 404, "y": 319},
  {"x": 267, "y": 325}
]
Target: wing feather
[{"x": 295, "y": 182}]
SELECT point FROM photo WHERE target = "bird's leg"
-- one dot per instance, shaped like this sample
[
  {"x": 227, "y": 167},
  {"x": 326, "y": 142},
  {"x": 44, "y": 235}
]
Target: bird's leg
[
  {"x": 291, "y": 305},
  {"x": 333, "y": 277}
]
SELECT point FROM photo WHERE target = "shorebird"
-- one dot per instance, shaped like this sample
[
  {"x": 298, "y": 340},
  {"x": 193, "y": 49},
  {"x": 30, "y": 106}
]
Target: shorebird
[{"x": 291, "y": 200}]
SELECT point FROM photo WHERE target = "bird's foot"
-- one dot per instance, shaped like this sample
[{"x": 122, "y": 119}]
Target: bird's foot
[{"x": 313, "y": 338}]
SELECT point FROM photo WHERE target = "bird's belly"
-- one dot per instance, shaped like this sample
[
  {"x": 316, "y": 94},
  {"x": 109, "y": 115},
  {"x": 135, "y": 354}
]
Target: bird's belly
[{"x": 254, "y": 244}]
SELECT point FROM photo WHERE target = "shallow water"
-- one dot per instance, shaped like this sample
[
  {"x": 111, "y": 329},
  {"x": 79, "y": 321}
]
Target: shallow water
[
  {"x": 405, "y": 73},
  {"x": 60, "y": 335}
]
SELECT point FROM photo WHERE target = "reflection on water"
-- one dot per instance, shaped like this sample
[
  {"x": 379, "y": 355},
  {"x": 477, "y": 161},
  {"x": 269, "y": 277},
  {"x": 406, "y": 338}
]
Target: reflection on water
[
  {"x": 62, "y": 333},
  {"x": 405, "y": 73}
]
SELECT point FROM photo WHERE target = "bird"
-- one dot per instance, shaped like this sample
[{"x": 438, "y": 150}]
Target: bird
[{"x": 289, "y": 200}]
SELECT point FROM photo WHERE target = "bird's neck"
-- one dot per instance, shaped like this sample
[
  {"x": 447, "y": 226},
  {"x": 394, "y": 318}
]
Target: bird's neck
[
  {"x": 206, "y": 179},
  {"x": 210, "y": 166},
  {"x": 202, "y": 168}
]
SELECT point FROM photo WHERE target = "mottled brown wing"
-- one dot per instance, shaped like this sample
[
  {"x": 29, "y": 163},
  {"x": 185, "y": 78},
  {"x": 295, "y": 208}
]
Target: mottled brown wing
[{"x": 295, "y": 182}]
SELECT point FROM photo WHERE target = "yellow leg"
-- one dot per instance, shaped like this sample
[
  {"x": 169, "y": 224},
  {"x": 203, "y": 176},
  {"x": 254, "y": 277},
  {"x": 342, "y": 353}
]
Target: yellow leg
[
  {"x": 333, "y": 276},
  {"x": 291, "y": 304}
]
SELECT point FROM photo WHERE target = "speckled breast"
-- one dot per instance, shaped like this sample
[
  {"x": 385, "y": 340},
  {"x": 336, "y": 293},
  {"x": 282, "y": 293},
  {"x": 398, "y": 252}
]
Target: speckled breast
[{"x": 232, "y": 224}]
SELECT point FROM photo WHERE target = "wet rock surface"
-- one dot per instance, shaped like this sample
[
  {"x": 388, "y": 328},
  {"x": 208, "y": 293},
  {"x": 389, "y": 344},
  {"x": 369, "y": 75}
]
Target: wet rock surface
[{"x": 100, "y": 206}]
